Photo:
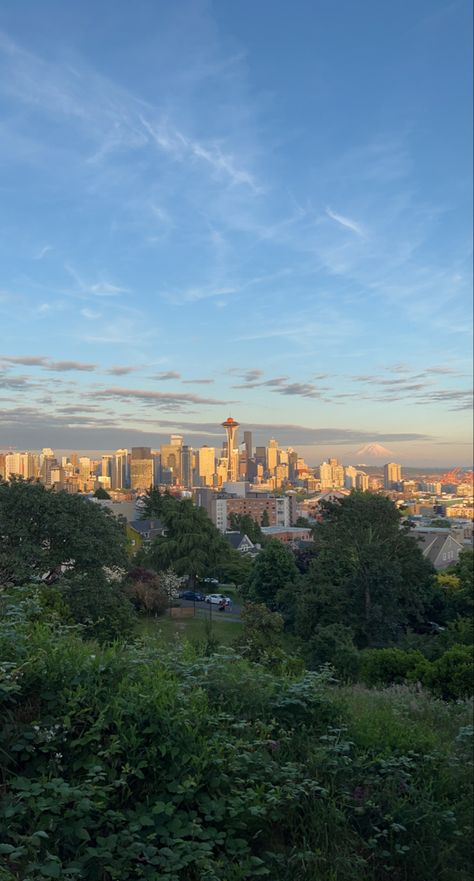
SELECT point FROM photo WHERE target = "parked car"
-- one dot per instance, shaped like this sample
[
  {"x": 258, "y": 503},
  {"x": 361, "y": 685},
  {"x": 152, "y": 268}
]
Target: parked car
[
  {"x": 211, "y": 580},
  {"x": 192, "y": 595},
  {"x": 216, "y": 598}
]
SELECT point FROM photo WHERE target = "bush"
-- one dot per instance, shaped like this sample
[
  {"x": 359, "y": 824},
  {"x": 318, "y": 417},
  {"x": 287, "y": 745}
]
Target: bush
[
  {"x": 451, "y": 676},
  {"x": 99, "y": 606},
  {"x": 334, "y": 645},
  {"x": 388, "y": 666}
]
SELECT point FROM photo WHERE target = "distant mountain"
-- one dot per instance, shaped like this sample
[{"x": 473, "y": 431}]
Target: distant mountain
[{"x": 375, "y": 451}]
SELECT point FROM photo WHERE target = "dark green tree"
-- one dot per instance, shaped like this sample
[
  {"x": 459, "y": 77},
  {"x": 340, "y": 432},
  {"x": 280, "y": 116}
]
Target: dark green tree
[
  {"x": 273, "y": 570},
  {"x": 265, "y": 521},
  {"x": 101, "y": 493},
  {"x": 245, "y": 524},
  {"x": 100, "y": 606},
  {"x": 155, "y": 502},
  {"x": 43, "y": 532},
  {"x": 192, "y": 544},
  {"x": 369, "y": 572}
]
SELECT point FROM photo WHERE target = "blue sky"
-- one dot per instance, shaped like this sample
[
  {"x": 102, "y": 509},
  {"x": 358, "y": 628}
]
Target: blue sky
[{"x": 256, "y": 209}]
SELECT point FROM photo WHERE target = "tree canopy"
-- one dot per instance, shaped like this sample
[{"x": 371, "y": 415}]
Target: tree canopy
[
  {"x": 368, "y": 573},
  {"x": 192, "y": 544},
  {"x": 44, "y": 531},
  {"x": 273, "y": 569}
]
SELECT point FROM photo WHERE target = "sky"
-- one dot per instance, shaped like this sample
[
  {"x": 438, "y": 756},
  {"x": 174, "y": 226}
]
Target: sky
[{"x": 252, "y": 209}]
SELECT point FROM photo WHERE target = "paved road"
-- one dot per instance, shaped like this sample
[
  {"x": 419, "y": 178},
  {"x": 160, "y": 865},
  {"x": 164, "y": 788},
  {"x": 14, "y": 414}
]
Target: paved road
[{"x": 203, "y": 611}]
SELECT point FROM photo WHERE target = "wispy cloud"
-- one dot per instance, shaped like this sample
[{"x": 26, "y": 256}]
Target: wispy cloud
[
  {"x": 346, "y": 222},
  {"x": 47, "y": 363},
  {"x": 163, "y": 400},
  {"x": 42, "y": 252},
  {"x": 166, "y": 375}
]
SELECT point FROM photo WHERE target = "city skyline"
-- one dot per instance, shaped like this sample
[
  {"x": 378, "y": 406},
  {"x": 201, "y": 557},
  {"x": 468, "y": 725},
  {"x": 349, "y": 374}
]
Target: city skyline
[{"x": 193, "y": 229}]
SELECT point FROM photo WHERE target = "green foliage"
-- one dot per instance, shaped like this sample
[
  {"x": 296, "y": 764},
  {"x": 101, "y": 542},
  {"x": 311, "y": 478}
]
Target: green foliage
[
  {"x": 387, "y": 666},
  {"x": 333, "y": 644},
  {"x": 148, "y": 596},
  {"x": 155, "y": 503},
  {"x": 192, "y": 544},
  {"x": 99, "y": 606},
  {"x": 261, "y": 638},
  {"x": 123, "y": 763},
  {"x": 43, "y": 531},
  {"x": 265, "y": 519},
  {"x": 460, "y": 598},
  {"x": 273, "y": 569},
  {"x": 101, "y": 493},
  {"x": 368, "y": 572},
  {"x": 245, "y": 524},
  {"x": 451, "y": 676}
]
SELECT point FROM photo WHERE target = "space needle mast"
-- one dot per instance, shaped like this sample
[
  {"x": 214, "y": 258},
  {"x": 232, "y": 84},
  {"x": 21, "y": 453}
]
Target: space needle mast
[{"x": 231, "y": 427}]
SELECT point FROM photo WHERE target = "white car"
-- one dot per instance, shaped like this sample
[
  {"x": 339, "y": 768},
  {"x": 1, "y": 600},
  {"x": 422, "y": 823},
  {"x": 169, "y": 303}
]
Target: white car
[{"x": 216, "y": 598}]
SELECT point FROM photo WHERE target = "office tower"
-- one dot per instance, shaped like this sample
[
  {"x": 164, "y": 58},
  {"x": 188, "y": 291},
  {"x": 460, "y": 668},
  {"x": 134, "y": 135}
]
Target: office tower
[
  {"x": 292, "y": 464},
  {"x": 272, "y": 455},
  {"x": 186, "y": 466},
  {"x": 47, "y": 463},
  {"x": 231, "y": 427},
  {"x": 325, "y": 475},
  {"x": 120, "y": 469},
  {"x": 206, "y": 465},
  {"x": 106, "y": 466},
  {"x": 74, "y": 459},
  {"x": 248, "y": 444},
  {"x": 156, "y": 456},
  {"x": 21, "y": 464},
  {"x": 261, "y": 456},
  {"x": 2, "y": 464},
  {"x": 392, "y": 475},
  {"x": 85, "y": 467},
  {"x": 171, "y": 455},
  {"x": 141, "y": 453}
]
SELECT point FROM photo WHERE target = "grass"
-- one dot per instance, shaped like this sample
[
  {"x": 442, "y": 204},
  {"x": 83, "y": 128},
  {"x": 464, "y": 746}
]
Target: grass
[{"x": 170, "y": 629}]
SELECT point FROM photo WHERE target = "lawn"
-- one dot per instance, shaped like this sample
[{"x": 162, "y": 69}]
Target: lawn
[{"x": 170, "y": 629}]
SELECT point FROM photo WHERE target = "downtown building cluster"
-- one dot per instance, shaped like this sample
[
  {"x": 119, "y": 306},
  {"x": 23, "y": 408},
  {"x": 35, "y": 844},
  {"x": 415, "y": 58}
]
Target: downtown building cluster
[{"x": 270, "y": 483}]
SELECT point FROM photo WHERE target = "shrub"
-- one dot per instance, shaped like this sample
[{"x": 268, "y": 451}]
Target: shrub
[
  {"x": 387, "y": 666},
  {"x": 451, "y": 676},
  {"x": 99, "y": 606}
]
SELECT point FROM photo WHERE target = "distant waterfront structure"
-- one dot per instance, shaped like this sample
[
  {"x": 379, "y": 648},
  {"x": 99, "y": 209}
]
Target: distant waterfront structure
[
  {"x": 392, "y": 475},
  {"x": 231, "y": 427}
]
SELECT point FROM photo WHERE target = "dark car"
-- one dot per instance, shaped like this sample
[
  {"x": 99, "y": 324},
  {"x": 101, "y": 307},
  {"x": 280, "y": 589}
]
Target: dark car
[{"x": 192, "y": 595}]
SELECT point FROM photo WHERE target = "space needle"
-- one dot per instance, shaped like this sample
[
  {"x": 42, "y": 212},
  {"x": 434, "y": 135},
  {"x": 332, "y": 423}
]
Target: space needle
[{"x": 231, "y": 427}]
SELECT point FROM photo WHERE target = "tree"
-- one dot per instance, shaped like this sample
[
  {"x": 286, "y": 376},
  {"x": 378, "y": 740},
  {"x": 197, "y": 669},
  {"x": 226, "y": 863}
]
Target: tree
[
  {"x": 261, "y": 633},
  {"x": 265, "y": 521},
  {"x": 369, "y": 573},
  {"x": 192, "y": 544},
  {"x": 245, "y": 524},
  {"x": 45, "y": 532},
  {"x": 102, "y": 608},
  {"x": 273, "y": 569},
  {"x": 152, "y": 504},
  {"x": 101, "y": 493}
]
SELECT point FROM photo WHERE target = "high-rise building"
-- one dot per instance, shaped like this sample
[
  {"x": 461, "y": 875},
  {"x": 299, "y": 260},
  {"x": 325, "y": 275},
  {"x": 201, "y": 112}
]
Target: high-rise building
[
  {"x": 206, "y": 465},
  {"x": 272, "y": 455},
  {"x": 120, "y": 469},
  {"x": 106, "y": 465},
  {"x": 21, "y": 465},
  {"x": 141, "y": 468},
  {"x": 171, "y": 457},
  {"x": 186, "y": 466},
  {"x": 392, "y": 475},
  {"x": 231, "y": 427},
  {"x": 362, "y": 481},
  {"x": 248, "y": 444}
]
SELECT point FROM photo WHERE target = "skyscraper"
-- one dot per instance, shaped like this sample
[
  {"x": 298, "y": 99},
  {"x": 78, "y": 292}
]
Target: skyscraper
[
  {"x": 248, "y": 444},
  {"x": 120, "y": 469},
  {"x": 171, "y": 455},
  {"x": 231, "y": 427},
  {"x": 141, "y": 468},
  {"x": 272, "y": 455},
  {"x": 392, "y": 475},
  {"x": 186, "y": 466},
  {"x": 206, "y": 465}
]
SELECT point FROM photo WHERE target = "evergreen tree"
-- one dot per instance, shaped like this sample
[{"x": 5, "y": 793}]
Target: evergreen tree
[
  {"x": 273, "y": 570},
  {"x": 265, "y": 521},
  {"x": 369, "y": 572},
  {"x": 192, "y": 544}
]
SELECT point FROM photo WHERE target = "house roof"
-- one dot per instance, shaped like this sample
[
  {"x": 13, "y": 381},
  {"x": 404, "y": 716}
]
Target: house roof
[
  {"x": 235, "y": 539},
  {"x": 146, "y": 526},
  {"x": 434, "y": 542}
]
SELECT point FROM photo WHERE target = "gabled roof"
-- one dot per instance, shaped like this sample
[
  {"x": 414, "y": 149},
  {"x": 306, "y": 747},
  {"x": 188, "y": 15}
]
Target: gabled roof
[
  {"x": 433, "y": 543},
  {"x": 236, "y": 539}
]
